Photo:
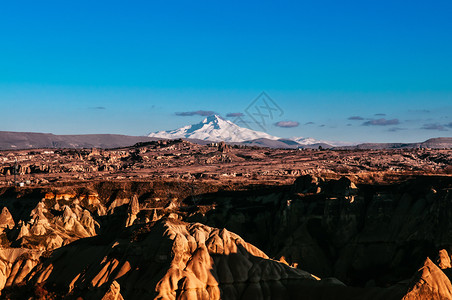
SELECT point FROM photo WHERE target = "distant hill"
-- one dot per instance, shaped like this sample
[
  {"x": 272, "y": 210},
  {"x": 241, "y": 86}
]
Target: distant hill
[
  {"x": 263, "y": 142},
  {"x": 434, "y": 143},
  {"x": 27, "y": 140},
  {"x": 441, "y": 142}
]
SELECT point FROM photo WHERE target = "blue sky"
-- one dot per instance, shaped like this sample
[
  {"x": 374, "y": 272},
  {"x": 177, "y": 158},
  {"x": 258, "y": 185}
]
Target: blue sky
[{"x": 343, "y": 70}]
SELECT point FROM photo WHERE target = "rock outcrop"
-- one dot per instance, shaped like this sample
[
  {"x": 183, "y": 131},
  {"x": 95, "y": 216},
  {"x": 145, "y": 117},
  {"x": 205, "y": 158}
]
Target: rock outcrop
[
  {"x": 430, "y": 283},
  {"x": 114, "y": 292},
  {"x": 6, "y": 220},
  {"x": 132, "y": 211},
  {"x": 16, "y": 264},
  {"x": 50, "y": 225},
  {"x": 180, "y": 260},
  {"x": 443, "y": 259}
]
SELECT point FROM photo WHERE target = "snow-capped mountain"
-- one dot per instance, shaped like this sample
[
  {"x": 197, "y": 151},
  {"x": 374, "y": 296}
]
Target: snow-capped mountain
[
  {"x": 306, "y": 140},
  {"x": 311, "y": 141},
  {"x": 214, "y": 128}
]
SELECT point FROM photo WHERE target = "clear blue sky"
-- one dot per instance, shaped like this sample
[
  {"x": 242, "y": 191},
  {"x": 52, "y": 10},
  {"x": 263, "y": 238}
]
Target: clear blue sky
[{"x": 128, "y": 67}]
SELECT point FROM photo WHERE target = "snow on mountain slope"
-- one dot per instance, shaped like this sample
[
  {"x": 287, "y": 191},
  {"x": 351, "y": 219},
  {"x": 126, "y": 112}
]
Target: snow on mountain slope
[
  {"x": 306, "y": 141},
  {"x": 310, "y": 141},
  {"x": 214, "y": 128}
]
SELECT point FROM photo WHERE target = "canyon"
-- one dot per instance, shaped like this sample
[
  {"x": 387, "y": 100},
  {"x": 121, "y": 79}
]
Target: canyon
[{"x": 178, "y": 220}]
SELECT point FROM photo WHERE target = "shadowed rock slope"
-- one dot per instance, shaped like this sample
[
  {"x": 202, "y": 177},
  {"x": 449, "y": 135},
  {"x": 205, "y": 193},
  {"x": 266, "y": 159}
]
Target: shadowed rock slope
[{"x": 364, "y": 235}]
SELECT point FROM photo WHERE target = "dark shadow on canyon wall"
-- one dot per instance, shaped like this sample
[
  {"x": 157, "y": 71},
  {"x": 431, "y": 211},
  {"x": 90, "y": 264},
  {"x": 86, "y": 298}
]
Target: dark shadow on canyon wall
[{"x": 364, "y": 235}]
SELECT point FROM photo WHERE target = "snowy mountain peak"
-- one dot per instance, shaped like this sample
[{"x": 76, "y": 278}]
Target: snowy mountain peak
[
  {"x": 214, "y": 128},
  {"x": 213, "y": 118},
  {"x": 218, "y": 122}
]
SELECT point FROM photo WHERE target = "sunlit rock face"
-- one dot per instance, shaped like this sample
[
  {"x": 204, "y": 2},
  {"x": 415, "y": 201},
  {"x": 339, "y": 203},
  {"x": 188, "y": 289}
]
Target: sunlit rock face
[
  {"x": 430, "y": 282},
  {"x": 16, "y": 264},
  {"x": 6, "y": 220},
  {"x": 52, "y": 223},
  {"x": 168, "y": 260}
]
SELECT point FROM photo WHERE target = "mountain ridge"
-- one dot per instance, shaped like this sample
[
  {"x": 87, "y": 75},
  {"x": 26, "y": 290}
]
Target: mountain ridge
[
  {"x": 436, "y": 143},
  {"x": 11, "y": 140}
]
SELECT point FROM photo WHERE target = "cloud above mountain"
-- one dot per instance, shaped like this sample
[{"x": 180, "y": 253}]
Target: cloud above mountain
[
  {"x": 203, "y": 113},
  {"x": 381, "y": 122},
  {"x": 434, "y": 126},
  {"x": 356, "y": 118},
  {"x": 287, "y": 124},
  {"x": 419, "y": 111},
  {"x": 395, "y": 129},
  {"x": 234, "y": 114}
]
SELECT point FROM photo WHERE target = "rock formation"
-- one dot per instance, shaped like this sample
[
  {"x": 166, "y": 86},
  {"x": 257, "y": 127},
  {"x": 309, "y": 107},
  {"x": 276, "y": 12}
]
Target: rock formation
[
  {"x": 223, "y": 147},
  {"x": 443, "y": 259},
  {"x": 6, "y": 220},
  {"x": 181, "y": 260},
  {"x": 16, "y": 264},
  {"x": 429, "y": 283},
  {"x": 133, "y": 210}
]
